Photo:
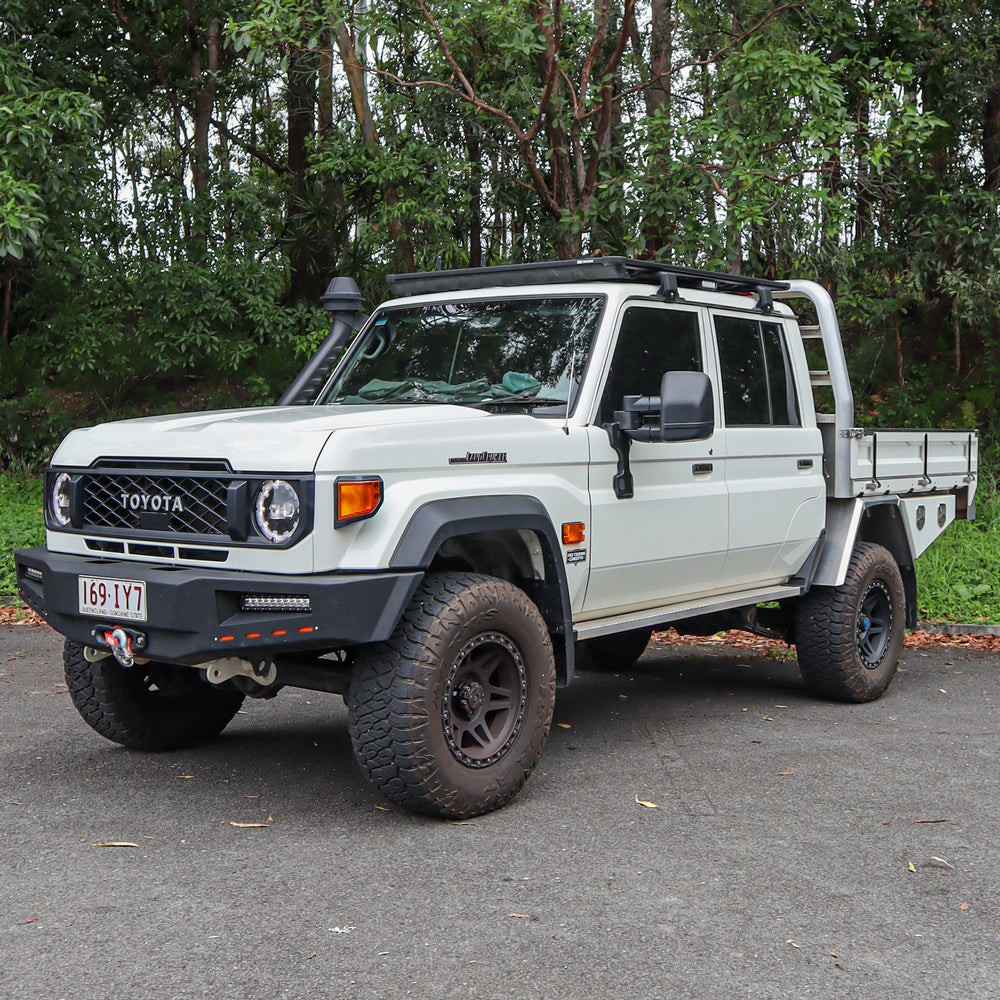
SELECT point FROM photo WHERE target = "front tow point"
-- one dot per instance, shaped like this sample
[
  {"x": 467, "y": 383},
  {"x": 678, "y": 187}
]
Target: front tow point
[{"x": 120, "y": 643}]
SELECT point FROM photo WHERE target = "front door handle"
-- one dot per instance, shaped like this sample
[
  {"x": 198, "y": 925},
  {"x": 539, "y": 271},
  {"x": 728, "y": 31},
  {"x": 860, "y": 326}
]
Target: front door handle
[{"x": 701, "y": 468}]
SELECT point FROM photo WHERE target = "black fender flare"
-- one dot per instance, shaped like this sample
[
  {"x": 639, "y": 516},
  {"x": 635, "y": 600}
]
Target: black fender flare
[{"x": 436, "y": 521}]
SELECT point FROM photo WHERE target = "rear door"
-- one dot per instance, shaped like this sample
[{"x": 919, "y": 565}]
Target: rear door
[{"x": 774, "y": 464}]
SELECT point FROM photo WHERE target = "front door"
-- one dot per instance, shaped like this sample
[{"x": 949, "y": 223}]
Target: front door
[{"x": 668, "y": 542}]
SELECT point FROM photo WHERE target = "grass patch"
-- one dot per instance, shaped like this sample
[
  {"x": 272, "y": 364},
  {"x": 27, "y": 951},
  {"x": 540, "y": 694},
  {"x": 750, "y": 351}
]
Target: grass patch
[
  {"x": 958, "y": 577},
  {"x": 21, "y": 523}
]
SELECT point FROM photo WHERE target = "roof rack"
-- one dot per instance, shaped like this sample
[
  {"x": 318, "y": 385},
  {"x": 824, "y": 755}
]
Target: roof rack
[{"x": 554, "y": 272}]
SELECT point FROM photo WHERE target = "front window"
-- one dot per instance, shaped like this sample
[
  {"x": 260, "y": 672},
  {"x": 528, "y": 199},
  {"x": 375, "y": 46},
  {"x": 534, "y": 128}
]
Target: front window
[{"x": 523, "y": 354}]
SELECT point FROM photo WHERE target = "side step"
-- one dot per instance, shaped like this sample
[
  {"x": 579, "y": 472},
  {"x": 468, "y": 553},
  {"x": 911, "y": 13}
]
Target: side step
[{"x": 653, "y": 617}]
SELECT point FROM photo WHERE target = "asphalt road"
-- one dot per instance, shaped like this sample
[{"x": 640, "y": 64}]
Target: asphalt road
[{"x": 798, "y": 849}]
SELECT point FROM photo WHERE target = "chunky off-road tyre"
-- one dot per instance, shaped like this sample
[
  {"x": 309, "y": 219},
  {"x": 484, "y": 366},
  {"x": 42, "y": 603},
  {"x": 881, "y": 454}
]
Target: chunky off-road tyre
[
  {"x": 146, "y": 707},
  {"x": 448, "y": 717},
  {"x": 849, "y": 637},
  {"x": 613, "y": 652}
]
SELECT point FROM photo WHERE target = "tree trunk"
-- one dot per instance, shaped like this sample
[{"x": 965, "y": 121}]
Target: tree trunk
[
  {"x": 324, "y": 118},
  {"x": 358, "y": 83},
  {"x": 204, "y": 101},
  {"x": 991, "y": 139},
  {"x": 301, "y": 104},
  {"x": 475, "y": 197},
  {"x": 8, "y": 296},
  {"x": 658, "y": 102}
]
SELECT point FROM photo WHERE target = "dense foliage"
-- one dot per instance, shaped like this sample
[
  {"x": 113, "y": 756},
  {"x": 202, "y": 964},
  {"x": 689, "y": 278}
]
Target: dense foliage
[{"x": 179, "y": 180}]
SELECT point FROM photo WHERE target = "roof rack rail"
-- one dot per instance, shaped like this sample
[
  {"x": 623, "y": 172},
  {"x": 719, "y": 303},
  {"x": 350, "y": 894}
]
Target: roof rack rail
[{"x": 555, "y": 272}]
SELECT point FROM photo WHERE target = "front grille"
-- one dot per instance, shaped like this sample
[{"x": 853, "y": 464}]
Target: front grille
[{"x": 176, "y": 503}]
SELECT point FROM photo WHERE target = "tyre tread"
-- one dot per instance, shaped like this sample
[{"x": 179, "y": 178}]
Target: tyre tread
[
  {"x": 115, "y": 703},
  {"x": 825, "y": 630},
  {"x": 392, "y": 683}
]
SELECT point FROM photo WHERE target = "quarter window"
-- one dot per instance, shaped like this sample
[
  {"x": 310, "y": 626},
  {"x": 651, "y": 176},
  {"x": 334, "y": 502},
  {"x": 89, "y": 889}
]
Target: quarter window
[{"x": 757, "y": 384}]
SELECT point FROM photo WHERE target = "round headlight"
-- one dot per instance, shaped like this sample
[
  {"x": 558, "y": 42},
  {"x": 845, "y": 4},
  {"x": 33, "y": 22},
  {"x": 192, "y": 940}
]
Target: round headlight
[
  {"x": 276, "y": 512},
  {"x": 59, "y": 504}
]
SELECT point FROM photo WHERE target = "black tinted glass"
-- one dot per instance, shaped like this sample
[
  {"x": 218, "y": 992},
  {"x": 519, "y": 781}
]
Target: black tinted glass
[
  {"x": 650, "y": 342},
  {"x": 744, "y": 377}
]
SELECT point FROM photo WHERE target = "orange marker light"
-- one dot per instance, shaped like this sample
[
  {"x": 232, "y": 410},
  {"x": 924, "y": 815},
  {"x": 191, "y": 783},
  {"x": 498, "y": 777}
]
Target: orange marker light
[
  {"x": 357, "y": 499},
  {"x": 574, "y": 533}
]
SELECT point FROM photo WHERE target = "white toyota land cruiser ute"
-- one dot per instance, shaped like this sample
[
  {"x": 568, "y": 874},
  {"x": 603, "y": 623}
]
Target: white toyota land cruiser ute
[{"x": 499, "y": 474}]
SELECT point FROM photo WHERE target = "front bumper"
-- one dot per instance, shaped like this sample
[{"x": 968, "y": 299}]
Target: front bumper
[{"x": 196, "y": 614}]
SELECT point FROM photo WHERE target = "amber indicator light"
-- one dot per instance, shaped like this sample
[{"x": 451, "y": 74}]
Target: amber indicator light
[
  {"x": 357, "y": 498},
  {"x": 574, "y": 532}
]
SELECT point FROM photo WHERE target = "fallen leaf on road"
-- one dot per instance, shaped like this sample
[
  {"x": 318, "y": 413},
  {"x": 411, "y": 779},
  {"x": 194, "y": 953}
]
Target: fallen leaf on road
[
  {"x": 183, "y": 775},
  {"x": 34, "y": 920},
  {"x": 564, "y": 725},
  {"x": 247, "y": 826},
  {"x": 930, "y": 821},
  {"x": 346, "y": 929},
  {"x": 646, "y": 803},
  {"x": 115, "y": 843},
  {"x": 961, "y": 906},
  {"x": 942, "y": 860},
  {"x": 942, "y": 690},
  {"x": 313, "y": 955},
  {"x": 912, "y": 867},
  {"x": 833, "y": 954},
  {"x": 785, "y": 774},
  {"x": 766, "y": 718},
  {"x": 520, "y": 916},
  {"x": 792, "y": 943}
]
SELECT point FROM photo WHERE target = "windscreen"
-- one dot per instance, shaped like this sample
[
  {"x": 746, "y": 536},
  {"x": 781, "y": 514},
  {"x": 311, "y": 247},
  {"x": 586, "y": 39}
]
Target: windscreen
[{"x": 511, "y": 353}]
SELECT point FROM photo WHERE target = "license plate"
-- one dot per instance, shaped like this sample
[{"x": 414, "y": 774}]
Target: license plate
[{"x": 122, "y": 600}]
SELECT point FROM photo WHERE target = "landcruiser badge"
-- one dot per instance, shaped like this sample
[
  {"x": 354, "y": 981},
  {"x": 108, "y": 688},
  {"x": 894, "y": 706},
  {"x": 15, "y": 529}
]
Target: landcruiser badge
[
  {"x": 479, "y": 457},
  {"x": 153, "y": 502},
  {"x": 576, "y": 556}
]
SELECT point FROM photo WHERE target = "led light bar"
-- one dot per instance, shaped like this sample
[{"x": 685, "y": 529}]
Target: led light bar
[
  {"x": 33, "y": 574},
  {"x": 276, "y": 602}
]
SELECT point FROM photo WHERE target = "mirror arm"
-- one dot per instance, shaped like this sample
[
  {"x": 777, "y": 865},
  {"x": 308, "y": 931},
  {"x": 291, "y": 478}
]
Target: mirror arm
[{"x": 621, "y": 442}]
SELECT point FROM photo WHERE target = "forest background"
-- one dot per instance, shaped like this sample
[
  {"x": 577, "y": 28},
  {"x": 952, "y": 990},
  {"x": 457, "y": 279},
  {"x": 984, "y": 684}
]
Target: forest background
[{"x": 179, "y": 180}]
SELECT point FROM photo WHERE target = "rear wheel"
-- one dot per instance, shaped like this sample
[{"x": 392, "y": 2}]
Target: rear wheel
[
  {"x": 849, "y": 638},
  {"x": 449, "y": 716},
  {"x": 154, "y": 706},
  {"x": 614, "y": 652}
]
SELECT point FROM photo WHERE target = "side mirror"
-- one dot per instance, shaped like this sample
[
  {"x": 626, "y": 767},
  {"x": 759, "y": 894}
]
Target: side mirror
[
  {"x": 687, "y": 413},
  {"x": 687, "y": 409},
  {"x": 685, "y": 406}
]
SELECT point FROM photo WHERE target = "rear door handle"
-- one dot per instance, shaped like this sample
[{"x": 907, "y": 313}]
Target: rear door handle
[
  {"x": 701, "y": 468},
  {"x": 805, "y": 463}
]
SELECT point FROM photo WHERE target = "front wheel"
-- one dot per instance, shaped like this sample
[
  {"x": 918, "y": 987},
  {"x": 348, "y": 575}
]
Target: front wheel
[
  {"x": 849, "y": 638},
  {"x": 448, "y": 717},
  {"x": 152, "y": 706}
]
